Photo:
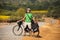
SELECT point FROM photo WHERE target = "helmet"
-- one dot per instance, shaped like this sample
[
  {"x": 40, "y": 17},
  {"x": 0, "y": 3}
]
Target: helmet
[{"x": 28, "y": 9}]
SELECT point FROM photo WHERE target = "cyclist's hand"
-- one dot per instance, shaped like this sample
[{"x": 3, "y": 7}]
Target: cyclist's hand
[{"x": 18, "y": 21}]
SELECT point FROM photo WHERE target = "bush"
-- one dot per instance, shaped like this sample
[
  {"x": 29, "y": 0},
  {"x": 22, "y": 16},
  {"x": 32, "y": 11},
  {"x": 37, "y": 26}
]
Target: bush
[
  {"x": 54, "y": 12},
  {"x": 20, "y": 12},
  {"x": 4, "y": 18}
]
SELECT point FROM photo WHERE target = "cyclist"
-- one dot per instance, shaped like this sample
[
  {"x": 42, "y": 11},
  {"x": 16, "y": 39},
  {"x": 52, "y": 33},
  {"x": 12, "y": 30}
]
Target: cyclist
[
  {"x": 27, "y": 24},
  {"x": 27, "y": 17}
]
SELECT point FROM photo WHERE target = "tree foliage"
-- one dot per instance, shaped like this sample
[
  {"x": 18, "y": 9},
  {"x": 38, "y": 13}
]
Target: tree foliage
[{"x": 54, "y": 9}]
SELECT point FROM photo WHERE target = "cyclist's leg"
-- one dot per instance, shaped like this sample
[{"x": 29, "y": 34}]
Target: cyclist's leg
[
  {"x": 38, "y": 31},
  {"x": 24, "y": 28},
  {"x": 29, "y": 25},
  {"x": 30, "y": 32}
]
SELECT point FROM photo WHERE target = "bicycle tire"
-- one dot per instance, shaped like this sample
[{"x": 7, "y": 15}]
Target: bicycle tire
[{"x": 15, "y": 32}]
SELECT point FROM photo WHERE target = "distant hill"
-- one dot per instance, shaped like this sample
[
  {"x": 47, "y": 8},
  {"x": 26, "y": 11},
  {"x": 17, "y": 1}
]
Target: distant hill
[
  {"x": 37, "y": 4},
  {"x": 19, "y": 1}
]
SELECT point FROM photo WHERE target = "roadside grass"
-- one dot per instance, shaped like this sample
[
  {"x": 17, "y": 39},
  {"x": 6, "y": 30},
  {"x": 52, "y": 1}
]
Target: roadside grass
[{"x": 14, "y": 15}]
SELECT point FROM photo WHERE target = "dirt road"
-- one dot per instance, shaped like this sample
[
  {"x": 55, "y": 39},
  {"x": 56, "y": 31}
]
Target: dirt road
[{"x": 47, "y": 32}]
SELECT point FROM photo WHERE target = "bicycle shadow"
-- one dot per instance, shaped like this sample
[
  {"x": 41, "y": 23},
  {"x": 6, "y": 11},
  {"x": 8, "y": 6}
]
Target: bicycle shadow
[
  {"x": 33, "y": 36},
  {"x": 39, "y": 36}
]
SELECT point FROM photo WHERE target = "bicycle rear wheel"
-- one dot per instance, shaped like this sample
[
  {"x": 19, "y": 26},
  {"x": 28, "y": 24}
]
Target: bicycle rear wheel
[{"x": 16, "y": 31}]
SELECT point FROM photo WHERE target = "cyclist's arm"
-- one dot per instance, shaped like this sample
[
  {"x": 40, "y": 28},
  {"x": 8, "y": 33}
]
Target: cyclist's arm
[
  {"x": 21, "y": 19},
  {"x": 35, "y": 20}
]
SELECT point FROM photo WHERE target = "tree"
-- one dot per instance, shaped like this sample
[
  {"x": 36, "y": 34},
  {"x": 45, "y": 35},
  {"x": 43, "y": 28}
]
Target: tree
[{"x": 54, "y": 10}]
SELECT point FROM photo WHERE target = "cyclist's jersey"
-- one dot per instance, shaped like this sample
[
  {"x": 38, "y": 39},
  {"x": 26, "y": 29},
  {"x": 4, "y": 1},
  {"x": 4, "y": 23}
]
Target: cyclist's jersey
[{"x": 28, "y": 17}]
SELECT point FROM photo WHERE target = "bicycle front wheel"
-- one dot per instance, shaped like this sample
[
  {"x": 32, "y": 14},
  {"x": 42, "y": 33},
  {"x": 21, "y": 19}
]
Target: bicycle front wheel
[{"x": 17, "y": 31}]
